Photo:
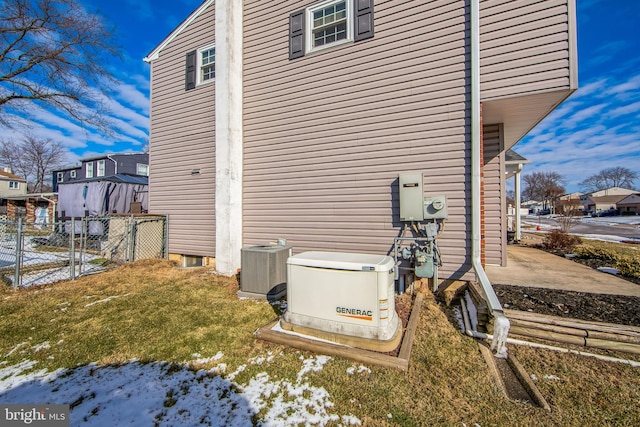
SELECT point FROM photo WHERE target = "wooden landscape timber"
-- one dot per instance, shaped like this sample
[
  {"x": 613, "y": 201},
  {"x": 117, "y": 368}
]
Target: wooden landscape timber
[
  {"x": 606, "y": 336},
  {"x": 268, "y": 333}
]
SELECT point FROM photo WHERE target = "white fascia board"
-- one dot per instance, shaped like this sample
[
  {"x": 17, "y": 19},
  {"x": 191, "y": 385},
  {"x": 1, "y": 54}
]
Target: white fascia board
[{"x": 155, "y": 53}]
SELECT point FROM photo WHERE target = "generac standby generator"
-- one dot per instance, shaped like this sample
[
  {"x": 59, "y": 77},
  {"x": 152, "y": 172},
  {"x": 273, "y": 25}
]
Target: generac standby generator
[{"x": 343, "y": 297}]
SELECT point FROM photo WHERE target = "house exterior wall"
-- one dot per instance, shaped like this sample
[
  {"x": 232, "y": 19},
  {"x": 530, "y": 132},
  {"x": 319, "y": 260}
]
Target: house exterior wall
[
  {"x": 5, "y": 189},
  {"x": 182, "y": 144},
  {"x": 495, "y": 196},
  {"x": 326, "y": 135},
  {"x": 525, "y": 47}
]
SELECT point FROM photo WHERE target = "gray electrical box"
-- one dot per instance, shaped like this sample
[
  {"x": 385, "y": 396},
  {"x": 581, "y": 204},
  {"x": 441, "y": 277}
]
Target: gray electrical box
[
  {"x": 435, "y": 207},
  {"x": 411, "y": 197}
]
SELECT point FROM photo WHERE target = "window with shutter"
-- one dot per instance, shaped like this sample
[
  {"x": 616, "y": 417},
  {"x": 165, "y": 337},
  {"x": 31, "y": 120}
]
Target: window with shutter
[{"x": 329, "y": 23}]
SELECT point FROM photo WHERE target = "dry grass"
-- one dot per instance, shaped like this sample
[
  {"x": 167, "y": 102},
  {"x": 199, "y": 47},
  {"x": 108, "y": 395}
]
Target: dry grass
[{"x": 161, "y": 313}]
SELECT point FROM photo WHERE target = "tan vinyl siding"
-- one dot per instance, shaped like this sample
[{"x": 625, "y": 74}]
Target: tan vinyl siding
[
  {"x": 183, "y": 139},
  {"x": 326, "y": 135},
  {"x": 524, "y": 47},
  {"x": 494, "y": 196}
]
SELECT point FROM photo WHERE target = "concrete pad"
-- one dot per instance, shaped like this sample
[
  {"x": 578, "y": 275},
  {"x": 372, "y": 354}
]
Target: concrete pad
[{"x": 527, "y": 266}]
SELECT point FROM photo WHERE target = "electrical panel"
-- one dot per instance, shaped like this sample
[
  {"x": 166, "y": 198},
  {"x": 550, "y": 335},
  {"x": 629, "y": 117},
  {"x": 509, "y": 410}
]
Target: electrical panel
[
  {"x": 411, "y": 196},
  {"x": 435, "y": 207}
]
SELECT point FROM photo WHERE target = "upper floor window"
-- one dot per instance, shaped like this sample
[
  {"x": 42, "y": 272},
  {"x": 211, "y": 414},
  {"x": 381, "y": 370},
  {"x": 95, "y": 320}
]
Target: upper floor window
[
  {"x": 89, "y": 170},
  {"x": 15, "y": 185},
  {"x": 142, "y": 169},
  {"x": 100, "y": 168},
  {"x": 60, "y": 176},
  {"x": 73, "y": 174},
  {"x": 328, "y": 24},
  {"x": 206, "y": 64}
]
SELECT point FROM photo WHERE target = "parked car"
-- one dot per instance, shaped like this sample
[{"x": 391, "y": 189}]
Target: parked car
[
  {"x": 607, "y": 212},
  {"x": 544, "y": 212}
]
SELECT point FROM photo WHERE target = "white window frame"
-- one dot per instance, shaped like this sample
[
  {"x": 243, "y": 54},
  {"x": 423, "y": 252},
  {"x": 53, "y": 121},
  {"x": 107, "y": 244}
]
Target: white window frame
[
  {"x": 144, "y": 166},
  {"x": 101, "y": 167},
  {"x": 309, "y": 25},
  {"x": 60, "y": 177},
  {"x": 14, "y": 185},
  {"x": 200, "y": 66},
  {"x": 72, "y": 174},
  {"x": 89, "y": 170}
]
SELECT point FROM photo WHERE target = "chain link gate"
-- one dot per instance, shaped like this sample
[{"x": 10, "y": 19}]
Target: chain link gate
[{"x": 38, "y": 254}]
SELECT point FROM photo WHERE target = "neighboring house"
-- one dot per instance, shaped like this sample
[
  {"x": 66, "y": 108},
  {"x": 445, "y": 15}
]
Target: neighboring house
[
  {"x": 569, "y": 203},
  {"x": 294, "y": 119},
  {"x": 596, "y": 204},
  {"x": 103, "y": 195},
  {"x": 630, "y": 205},
  {"x": 11, "y": 184},
  {"x": 102, "y": 166}
]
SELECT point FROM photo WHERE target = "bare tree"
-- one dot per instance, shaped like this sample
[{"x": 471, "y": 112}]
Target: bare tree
[
  {"x": 546, "y": 187},
  {"x": 610, "y": 177},
  {"x": 34, "y": 159},
  {"x": 55, "y": 54}
]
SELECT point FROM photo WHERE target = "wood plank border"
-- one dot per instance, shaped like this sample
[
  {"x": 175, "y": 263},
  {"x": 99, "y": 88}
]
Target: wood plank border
[{"x": 266, "y": 333}]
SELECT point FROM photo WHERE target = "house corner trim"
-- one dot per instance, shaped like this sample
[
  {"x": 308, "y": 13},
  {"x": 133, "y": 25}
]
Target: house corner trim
[{"x": 228, "y": 133}]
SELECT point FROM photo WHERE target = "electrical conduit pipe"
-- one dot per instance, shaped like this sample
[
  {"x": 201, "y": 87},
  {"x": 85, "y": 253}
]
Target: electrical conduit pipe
[{"x": 501, "y": 323}]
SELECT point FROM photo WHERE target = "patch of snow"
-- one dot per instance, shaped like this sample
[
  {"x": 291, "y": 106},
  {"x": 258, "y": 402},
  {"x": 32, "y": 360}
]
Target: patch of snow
[
  {"x": 16, "y": 348},
  {"x": 609, "y": 270},
  {"x": 43, "y": 346},
  {"x": 105, "y": 300},
  {"x": 534, "y": 377},
  {"x": 200, "y": 360},
  {"x": 358, "y": 370},
  {"x": 168, "y": 394},
  {"x": 552, "y": 378}
]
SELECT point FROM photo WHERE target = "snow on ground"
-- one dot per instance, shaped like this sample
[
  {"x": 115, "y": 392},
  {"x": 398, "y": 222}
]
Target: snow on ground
[
  {"x": 532, "y": 220},
  {"x": 168, "y": 394}
]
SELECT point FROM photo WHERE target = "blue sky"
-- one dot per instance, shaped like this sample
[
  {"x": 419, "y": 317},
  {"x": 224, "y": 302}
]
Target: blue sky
[{"x": 597, "y": 127}]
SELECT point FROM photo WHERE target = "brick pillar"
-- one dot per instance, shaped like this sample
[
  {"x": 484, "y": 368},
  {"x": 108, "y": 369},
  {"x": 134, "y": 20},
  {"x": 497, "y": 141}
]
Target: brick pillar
[
  {"x": 482, "y": 204},
  {"x": 31, "y": 210},
  {"x": 11, "y": 209}
]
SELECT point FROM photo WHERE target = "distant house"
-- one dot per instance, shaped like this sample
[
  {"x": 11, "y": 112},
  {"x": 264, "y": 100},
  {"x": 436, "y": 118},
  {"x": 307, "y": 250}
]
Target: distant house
[
  {"x": 136, "y": 164},
  {"x": 630, "y": 205},
  {"x": 294, "y": 119},
  {"x": 100, "y": 196},
  {"x": 11, "y": 184},
  {"x": 604, "y": 199},
  {"x": 595, "y": 204},
  {"x": 569, "y": 203}
]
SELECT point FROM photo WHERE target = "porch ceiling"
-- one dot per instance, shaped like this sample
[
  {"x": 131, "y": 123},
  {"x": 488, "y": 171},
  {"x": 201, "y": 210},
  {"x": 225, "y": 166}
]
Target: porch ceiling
[{"x": 520, "y": 114}]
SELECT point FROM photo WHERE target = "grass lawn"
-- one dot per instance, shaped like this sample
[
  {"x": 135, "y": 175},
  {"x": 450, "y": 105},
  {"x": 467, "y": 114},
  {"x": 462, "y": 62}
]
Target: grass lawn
[{"x": 151, "y": 312}]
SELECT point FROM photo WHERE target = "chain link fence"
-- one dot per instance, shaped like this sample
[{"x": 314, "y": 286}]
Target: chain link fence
[{"x": 38, "y": 254}]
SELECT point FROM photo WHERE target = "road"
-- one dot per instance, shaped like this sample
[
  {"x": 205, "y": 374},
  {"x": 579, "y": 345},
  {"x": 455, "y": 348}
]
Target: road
[{"x": 628, "y": 228}]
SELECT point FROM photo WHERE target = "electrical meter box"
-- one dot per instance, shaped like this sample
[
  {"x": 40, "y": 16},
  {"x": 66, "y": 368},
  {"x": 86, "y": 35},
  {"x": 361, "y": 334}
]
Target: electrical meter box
[
  {"x": 435, "y": 207},
  {"x": 411, "y": 197}
]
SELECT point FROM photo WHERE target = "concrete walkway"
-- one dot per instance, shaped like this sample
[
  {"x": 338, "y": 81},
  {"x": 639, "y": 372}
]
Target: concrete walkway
[{"x": 527, "y": 266}]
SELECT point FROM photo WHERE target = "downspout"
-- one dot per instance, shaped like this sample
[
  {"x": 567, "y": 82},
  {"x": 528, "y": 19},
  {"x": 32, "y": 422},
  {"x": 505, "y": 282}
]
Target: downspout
[
  {"x": 115, "y": 162},
  {"x": 501, "y": 324}
]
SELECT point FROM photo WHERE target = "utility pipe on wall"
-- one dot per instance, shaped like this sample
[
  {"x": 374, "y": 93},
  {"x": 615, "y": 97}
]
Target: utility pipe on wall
[{"x": 501, "y": 324}]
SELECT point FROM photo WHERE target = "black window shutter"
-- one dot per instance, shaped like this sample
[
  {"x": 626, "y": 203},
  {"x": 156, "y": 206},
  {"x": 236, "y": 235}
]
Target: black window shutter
[
  {"x": 296, "y": 34},
  {"x": 190, "y": 71},
  {"x": 363, "y": 24}
]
